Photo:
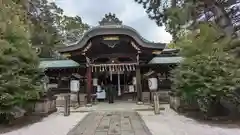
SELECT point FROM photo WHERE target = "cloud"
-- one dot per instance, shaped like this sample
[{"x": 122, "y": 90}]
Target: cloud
[{"x": 131, "y": 13}]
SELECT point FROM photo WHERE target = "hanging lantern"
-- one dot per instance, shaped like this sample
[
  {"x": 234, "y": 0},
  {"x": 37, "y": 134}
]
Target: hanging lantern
[
  {"x": 153, "y": 84},
  {"x": 74, "y": 85}
]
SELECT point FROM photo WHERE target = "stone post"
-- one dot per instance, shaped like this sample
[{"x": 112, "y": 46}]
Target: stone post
[
  {"x": 156, "y": 103},
  {"x": 67, "y": 105}
]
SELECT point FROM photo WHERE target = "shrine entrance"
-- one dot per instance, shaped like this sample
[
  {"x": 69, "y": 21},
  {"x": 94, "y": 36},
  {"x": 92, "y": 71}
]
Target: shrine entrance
[
  {"x": 115, "y": 51},
  {"x": 122, "y": 79}
]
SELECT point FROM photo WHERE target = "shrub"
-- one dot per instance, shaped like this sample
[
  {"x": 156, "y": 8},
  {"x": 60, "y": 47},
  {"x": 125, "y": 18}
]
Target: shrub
[{"x": 18, "y": 62}]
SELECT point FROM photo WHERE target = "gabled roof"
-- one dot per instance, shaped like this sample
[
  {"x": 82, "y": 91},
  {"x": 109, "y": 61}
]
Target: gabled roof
[{"x": 110, "y": 25}]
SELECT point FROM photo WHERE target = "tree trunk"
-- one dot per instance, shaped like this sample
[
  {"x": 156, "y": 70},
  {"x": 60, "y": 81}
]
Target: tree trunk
[
  {"x": 174, "y": 34},
  {"x": 223, "y": 20}
]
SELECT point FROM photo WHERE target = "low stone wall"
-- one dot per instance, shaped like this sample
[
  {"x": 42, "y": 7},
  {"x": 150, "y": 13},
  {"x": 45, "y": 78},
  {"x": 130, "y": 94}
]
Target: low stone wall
[
  {"x": 44, "y": 106},
  {"x": 177, "y": 104},
  {"x": 164, "y": 96},
  {"x": 60, "y": 101}
]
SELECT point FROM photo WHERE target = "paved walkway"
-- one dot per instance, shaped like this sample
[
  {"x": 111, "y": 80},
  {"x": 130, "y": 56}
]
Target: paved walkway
[
  {"x": 113, "y": 119},
  {"x": 171, "y": 123},
  {"x": 55, "y": 124},
  {"x": 116, "y": 106},
  {"x": 111, "y": 123}
]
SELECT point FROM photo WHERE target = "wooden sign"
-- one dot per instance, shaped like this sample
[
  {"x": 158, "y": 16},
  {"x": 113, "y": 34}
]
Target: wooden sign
[
  {"x": 66, "y": 55},
  {"x": 157, "y": 52},
  {"x": 114, "y": 38}
]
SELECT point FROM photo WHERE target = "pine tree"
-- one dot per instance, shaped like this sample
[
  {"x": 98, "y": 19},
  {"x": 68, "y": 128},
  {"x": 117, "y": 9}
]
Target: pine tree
[
  {"x": 19, "y": 81},
  {"x": 209, "y": 73}
]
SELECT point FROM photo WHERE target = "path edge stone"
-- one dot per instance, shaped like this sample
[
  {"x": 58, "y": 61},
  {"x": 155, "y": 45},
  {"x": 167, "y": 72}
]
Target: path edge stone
[
  {"x": 144, "y": 124},
  {"x": 71, "y": 131}
]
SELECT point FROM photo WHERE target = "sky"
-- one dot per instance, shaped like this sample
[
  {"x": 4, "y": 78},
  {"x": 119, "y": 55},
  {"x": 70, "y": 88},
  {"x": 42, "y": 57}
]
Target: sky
[{"x": 128, "y": 11}]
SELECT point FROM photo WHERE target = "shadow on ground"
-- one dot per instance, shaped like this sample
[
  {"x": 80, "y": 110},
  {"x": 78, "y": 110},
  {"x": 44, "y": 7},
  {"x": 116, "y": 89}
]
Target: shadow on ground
[
  {"x": 20, "y": 123},
  {"x": 223, "y": 122}
]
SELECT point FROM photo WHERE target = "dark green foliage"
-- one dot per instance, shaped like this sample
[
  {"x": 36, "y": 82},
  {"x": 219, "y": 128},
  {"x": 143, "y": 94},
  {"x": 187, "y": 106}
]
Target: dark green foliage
[
  {"x": 19, "y": 72},
  {"x": 50, "y": 28},
  {"x": 209, "y": 72},
  {"x": 176, "y": 14}
]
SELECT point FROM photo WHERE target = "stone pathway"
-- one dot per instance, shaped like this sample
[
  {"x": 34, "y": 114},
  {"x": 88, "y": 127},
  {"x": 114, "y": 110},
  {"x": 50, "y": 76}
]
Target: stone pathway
[
  {"x": 171, "y": 123},
  {"x": 111, "y": 123}
]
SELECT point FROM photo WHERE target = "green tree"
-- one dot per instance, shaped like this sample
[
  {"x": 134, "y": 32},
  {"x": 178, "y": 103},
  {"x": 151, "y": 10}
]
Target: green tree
[
  {"x": 175, "y": 14},
  {"x": 73, "y": 28},
  {"x": 50, "y": 28},
  {"x": 209, "y": 73},
  {"x": 18, "y": 62}
]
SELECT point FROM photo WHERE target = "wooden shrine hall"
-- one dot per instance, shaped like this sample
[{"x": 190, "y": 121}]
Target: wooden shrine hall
[{"x": 115, "y": 51}]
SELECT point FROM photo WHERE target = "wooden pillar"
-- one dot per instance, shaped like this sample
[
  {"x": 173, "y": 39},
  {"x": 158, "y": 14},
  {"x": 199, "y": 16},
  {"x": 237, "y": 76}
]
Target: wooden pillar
[
  {"x": 138, "y": 84},
  {"x": 59, "y": 80},
  {"x": 89, "y": 84},
  {"x": 119, "y": 87}
]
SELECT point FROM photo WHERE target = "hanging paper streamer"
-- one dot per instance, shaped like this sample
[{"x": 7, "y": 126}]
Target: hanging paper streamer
[{"x": 114, "y": 67}]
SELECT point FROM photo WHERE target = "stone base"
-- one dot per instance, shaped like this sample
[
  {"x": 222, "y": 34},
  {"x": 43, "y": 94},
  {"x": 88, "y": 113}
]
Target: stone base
[
  {"x": 139, "y": 103},
  {"x": 180, "y": 106},
  {"x": 175, "y": 103},
  {"x": 88, "y": 105},
  {"x": 163, "y": 96},
  {"x": 73, "y": 100},
  {"x": 45, "y": 106},
  {"x": 44, "y": 113},
  {"x": 146, "y": 97}
]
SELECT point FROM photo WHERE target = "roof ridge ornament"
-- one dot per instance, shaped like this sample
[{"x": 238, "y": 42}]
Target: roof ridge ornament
[{"x": 110, "y": 19}]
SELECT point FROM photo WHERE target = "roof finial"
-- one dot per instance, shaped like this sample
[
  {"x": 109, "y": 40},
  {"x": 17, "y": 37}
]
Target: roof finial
[{"x": 110, "y": 19}]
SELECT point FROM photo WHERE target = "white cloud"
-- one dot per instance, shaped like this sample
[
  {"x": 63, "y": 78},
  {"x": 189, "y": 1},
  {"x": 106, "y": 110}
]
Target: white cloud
[{"x": 131, "y": 13}]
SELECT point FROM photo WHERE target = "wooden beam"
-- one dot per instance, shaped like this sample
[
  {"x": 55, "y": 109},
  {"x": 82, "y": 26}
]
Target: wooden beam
[
  {"x": 139, "y": 84},
  {"x": 89, "y": 84}
]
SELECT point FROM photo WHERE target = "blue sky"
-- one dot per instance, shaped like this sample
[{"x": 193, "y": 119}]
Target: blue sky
[{"x": 131, "y": 13}]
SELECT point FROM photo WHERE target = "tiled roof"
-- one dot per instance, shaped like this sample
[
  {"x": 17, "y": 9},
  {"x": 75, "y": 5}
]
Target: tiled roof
[
  {"x": 165, "y": 60},
  {"x": 58, "y": 64}
]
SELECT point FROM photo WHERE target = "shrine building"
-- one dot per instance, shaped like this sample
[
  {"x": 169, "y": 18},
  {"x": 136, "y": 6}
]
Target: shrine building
[{"x": 118, "y": 52}]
